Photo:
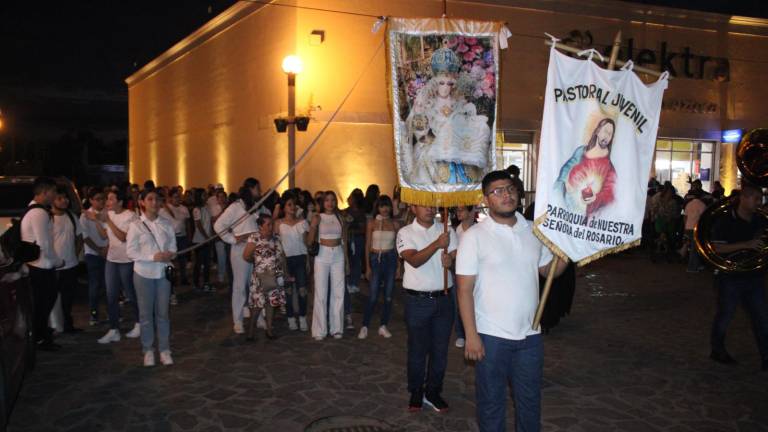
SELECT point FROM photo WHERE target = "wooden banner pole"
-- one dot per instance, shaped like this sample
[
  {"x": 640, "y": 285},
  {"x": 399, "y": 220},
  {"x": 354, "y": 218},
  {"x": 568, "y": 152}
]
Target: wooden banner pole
[{"x": 545, "y": 293}]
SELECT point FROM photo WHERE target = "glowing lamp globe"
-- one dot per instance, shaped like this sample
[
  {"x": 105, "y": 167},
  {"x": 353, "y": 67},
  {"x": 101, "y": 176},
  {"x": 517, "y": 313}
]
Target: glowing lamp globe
[{"x": 292, "y": 65}]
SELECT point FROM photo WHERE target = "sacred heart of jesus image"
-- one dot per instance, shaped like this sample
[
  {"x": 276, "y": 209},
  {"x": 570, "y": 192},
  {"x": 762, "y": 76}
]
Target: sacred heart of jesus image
[{"x": 587, "y": 178}]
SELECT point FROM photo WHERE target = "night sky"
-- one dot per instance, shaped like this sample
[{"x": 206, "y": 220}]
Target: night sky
[{"x": 64, "y": 63}]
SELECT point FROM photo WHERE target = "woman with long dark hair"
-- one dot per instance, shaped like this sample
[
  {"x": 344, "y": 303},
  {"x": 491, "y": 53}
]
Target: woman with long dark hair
[
  {"x": 202, "y": 220},
  {"x": 329, "y": 229},
  {"x": 381, "y": 257},
  {"x": 151, "y": 244},
  {"x": 118, "y": 270},
  {"x": 292, "y": 231}
]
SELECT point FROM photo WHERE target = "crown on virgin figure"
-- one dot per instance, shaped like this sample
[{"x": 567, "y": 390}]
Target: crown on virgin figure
[{"x": 444, "y": 60}]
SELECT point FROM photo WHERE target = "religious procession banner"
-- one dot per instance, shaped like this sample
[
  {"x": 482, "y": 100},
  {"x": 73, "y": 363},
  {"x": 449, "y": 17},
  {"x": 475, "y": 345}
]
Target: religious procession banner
[
  {"x": 597, "y": 140},
  {"x": 443, "y": 78}
]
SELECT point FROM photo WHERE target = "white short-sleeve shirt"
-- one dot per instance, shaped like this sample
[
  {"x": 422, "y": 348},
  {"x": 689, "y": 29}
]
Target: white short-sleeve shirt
[
  {"x": 505, "y": 261},
  {"x": 429, "y": 276},
  {"x": 116, "y": 252},
  {"x": 201, "y": 214},
  {"x": 90, "y": 231},
  {"x": 64, "y": 235}
]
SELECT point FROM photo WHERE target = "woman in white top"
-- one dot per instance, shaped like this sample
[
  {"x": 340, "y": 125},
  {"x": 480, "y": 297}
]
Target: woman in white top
[
  {"x": 381, "y": 257},
  {"x": 67, "y": 241},
  {"x": 202, "y": 219},
  {"x": 152, "y": 246},
  {"x": 96, "y": 246},
  {"x": 234, "y": 226},
  {"x": 119, "y": 268},
  {"x": 178, "y": 214},
  {"x": 292, "y": 231},
  {"x": 329, "y": 230},
  {"x": 222, "y": 248}
]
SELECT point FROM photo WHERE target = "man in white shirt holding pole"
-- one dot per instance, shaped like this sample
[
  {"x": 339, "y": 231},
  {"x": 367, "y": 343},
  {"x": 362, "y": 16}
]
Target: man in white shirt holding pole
[
  {"x": 429, "y": 307},
  {"x": 498, "y": 266}
]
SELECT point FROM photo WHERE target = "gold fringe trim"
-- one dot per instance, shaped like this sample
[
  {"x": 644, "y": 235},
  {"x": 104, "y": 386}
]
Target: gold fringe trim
[
  {"x": 440, "y": 199},
  {"x": 584, "y": 261}
]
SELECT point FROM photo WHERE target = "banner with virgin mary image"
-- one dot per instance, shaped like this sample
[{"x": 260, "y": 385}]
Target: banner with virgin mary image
[
  {"x": 444, "y": 87},
  {"x": 597, "y": 139}
]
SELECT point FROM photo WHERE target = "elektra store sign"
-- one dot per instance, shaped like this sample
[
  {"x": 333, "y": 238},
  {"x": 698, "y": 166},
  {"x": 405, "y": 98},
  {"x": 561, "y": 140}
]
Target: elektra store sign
[{"x": 680, "y": 62}]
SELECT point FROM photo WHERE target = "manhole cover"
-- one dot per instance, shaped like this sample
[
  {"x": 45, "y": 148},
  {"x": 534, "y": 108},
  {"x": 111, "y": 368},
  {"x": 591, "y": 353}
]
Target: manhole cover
[{"x": 350, "y": 424}]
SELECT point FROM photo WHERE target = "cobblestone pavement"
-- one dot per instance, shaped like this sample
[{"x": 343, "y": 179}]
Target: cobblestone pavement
[{"x": 633, "y": 356}]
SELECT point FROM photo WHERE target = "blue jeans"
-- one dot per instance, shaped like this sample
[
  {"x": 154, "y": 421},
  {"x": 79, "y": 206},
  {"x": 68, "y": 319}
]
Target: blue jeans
[
  {"x": 154, "y": 295},
  {"x": 750, "y": 292},
  {"x": 297, "y": 268},
  {"x": 429, "y": 322},
  {"x": 96, "y": 281},
  {"x": 119, "y": 276},
  {"x": 382, "y": 273},
  {"x": 356, "y": 259},
  {"x": 518, "y": 363}
]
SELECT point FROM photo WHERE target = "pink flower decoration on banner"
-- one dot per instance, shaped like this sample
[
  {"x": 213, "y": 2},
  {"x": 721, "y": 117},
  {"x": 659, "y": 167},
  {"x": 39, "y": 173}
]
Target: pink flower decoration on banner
[
  {"x": 462, "y": 48},
  {"x": 466, "y": 67},
  {"x": 477, "y": 49},
  {"x": 452, "y": 42},
  {"x": 471, "y": 41},
  {"x": 469, "y": 56},
  {"x": 477, "y": 73},
  {"x": 479, "y": 62},
  {"x": 478, "y": 93}
]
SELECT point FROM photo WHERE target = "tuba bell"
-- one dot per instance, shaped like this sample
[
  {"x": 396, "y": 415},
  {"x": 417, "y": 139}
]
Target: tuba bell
[{"x": 752, "y": 161}]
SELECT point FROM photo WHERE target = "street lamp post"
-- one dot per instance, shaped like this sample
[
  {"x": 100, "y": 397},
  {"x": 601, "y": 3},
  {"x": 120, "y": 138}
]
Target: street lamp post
[{"x": 292, "y": 66}]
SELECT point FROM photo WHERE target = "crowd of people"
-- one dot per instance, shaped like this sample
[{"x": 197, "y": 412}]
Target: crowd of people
[{"x": 270, "y": 252}]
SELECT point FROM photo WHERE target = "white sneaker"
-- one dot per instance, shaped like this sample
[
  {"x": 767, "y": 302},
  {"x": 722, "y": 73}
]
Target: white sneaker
[
  {"x": 292, "y": 323},
  {"x": 238, "y": 328},
  {"x": 353, "y": 289},
  {"x": 112, "y": 335},
  {"x": 149, "y": 359},
  {"x": 383, "y": 331},
  {"x": 261, "y": 323},
  {"x": 165, "y": 358},
  {"x": 174, "y": 301},
  {"x": 318, "y": 338},
  {"x": 303, "y": 323},
  {"x": 246, "y": 312},
  {"x": 350, "y": 324},
  {"x": 337, "y": 335},
  {"x": 459, "y": 342},
  {"x": 363, "y": 333},
  {"x": 136, "y": 332}
]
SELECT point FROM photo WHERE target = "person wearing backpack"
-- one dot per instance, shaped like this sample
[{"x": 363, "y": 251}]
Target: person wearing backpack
[
  {"x": 37, "y": 228},
  {"x": 67, "y": 241}
]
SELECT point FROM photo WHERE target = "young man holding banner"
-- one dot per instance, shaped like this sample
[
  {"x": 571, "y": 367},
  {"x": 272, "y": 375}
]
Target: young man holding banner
[
  {"x": 498, "y": 267},
  {"x": 428, "y": 306}
]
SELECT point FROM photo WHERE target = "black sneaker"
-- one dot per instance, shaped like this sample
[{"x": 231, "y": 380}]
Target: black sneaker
[
  {"x": 436, "y": 402},
  {"x": 417, "y": 400},
  {"x": 723, "y": 357}
]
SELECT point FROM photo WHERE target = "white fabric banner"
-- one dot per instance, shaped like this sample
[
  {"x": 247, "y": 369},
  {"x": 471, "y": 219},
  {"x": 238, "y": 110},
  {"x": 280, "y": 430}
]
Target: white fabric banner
[{"x": 597, "y": 140}]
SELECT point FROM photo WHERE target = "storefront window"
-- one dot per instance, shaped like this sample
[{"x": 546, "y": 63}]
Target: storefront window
[
  {"x": 514, "y": 148},
  {"x": 682, "y": 161}
]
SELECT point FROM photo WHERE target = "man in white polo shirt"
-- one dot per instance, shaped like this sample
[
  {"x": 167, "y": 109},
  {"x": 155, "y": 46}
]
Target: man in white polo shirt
[
  {"x": 429, "y": 309},
  {"x": 498, "y": 267}
]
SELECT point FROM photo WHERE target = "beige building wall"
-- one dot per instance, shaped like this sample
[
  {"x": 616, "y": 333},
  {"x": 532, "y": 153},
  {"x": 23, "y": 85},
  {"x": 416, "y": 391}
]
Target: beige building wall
[{"x": 204, "y": 113}]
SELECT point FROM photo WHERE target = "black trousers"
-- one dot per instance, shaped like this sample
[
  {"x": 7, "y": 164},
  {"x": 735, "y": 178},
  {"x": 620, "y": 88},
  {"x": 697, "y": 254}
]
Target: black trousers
[
  {"x": 66, "y": 284},
  {"x": 45, "y": 291}
]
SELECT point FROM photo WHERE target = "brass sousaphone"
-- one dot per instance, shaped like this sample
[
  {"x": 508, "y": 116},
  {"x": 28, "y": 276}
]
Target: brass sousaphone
[{"x": 752, "y": 161}]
